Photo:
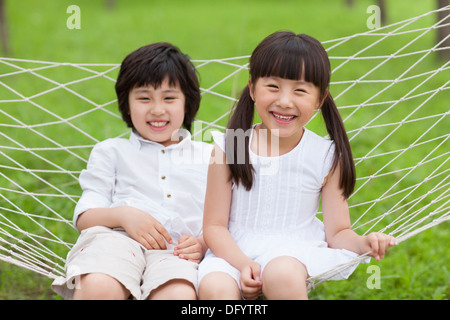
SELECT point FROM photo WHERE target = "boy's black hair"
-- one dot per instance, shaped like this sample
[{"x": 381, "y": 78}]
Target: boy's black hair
[{"x": 151, "y": 65}]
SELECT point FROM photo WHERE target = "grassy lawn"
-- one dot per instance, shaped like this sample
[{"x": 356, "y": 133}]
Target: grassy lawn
[{"x": 416, "y": 269}]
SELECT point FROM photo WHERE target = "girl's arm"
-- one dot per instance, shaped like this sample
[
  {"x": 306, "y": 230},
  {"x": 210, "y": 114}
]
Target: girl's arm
[
  {"x": 336, "y": 220},
  {"x": 215, "y": 225},
  {"x": 217, "y": 212}
]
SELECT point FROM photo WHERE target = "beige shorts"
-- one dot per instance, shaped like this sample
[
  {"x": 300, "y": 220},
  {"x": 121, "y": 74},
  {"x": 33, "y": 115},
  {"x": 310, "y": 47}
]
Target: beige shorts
[{"x": 113, "y": 252}]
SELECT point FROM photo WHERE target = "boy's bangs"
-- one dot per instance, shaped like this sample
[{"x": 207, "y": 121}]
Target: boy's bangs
[{"x": 154, "y": 73}]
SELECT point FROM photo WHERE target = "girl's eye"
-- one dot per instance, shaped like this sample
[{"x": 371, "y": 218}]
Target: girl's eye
[
  {"x": 143, "y": 98},
  {"x": 301, "y": 90},
  {"x": 273, "y": 86},
  {"x": 169, "y": 98}
]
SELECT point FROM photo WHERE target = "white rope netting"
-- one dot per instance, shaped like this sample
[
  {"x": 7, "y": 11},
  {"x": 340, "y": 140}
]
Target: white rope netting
[{"x": 390, "y": 87}]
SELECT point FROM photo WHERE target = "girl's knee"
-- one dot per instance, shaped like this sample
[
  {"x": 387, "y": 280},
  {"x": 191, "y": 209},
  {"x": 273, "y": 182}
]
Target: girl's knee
[
  {"x": 283, "y": 278},
  {"x": 285, "y": 267},
  {"x": 218, "y": 286},
  {"x": 98, "y": 286}
]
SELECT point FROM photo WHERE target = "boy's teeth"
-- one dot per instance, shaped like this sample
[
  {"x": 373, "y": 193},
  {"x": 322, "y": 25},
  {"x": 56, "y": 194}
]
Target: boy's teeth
[
  {"x": 158, "y": 124},
  {"x": 283, "y": 117}
]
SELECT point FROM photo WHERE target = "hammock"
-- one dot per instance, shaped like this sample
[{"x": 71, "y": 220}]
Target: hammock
[{"x": 389, "y": 85}]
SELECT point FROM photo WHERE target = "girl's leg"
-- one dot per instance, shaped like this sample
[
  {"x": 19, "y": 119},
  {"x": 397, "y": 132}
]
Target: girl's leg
[
  {"x": 219, "y": 286},
  {"x": 284, "y": 278},
  {"x": 177, "y": 289},
  {"x": 99, "y": 286}
]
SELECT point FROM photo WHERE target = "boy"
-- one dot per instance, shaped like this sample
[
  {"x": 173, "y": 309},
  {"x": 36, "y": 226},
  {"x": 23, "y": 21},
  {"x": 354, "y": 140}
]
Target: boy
[{"x": 140, "y": 213}]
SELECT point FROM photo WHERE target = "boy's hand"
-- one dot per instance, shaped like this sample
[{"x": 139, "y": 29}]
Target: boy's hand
[
  {"x": 145, "y": 229},
  {"x": 251, "y": 283},
  {"x": 189, "y": 248},
  {"x": 377, "y": 243}
]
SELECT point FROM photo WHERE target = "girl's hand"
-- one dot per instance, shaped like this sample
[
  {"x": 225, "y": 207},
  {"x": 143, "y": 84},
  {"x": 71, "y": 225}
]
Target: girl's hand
[
  {"x": 189, "y": 248},
  {"x": 251, "y": 283},
  {"x": 377, "y": 243}
]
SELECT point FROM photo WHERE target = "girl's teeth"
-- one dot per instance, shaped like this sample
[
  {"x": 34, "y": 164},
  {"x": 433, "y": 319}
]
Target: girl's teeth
[{"x": 283, "y": 117}]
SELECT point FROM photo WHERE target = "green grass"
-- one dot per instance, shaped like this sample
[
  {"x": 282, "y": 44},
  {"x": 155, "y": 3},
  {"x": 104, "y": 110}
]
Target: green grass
[{"x": 416, "y": 269}]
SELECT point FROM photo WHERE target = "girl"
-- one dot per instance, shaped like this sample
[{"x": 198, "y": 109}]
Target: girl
[{"x": 260, "y": 224}]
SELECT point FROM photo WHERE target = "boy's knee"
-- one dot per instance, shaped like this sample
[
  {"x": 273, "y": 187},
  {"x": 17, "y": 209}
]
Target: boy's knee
[
  {"x": 97, "y": 286},
  {"x": 218, "y": 286},
  {"x": 177, "y": 289}
]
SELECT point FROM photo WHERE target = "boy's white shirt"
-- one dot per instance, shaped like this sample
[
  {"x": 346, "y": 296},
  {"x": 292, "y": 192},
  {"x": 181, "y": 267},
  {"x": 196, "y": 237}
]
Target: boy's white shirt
[{"x": 167, "y": 182}]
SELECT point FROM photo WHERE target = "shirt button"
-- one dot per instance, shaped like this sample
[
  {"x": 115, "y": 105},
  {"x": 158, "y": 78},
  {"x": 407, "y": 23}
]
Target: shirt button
[
  {"x": 168, "y": 195},
  {"x": 163, "y": 177},
  {"x": 163, "y": 151}
]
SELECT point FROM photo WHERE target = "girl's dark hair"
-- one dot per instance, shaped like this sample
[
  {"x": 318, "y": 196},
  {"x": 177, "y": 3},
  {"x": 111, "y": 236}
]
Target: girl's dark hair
[
  {"x": 287, "y": 55},
  {"x": 150, "y": 65}
]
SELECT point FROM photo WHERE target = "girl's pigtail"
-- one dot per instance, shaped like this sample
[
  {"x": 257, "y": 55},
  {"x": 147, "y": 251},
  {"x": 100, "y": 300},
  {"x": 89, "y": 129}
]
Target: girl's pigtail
[
  {"x": 237, "y": 140},
  {"x": 343, "y": 153}
]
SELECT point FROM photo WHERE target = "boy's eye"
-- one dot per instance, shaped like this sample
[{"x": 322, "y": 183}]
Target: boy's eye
[{"x": 143, "y": 98}]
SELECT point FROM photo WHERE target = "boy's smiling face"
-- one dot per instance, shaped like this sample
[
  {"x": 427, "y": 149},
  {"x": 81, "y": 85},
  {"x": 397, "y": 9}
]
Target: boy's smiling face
[{"x": 157, "y": 113}]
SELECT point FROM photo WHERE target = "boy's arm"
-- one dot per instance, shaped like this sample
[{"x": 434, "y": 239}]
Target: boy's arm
[
  {"x": 190, "y": 248},
  {"x": 139, "y": 225},
  {"x": 107, "y": 217},
  {"x": 93, "y": 208},
  {"x": 97, "y": 182}
]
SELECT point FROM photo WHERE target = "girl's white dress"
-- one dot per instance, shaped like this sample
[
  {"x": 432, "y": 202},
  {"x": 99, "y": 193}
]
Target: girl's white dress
[{"x": 277, "y": 217}]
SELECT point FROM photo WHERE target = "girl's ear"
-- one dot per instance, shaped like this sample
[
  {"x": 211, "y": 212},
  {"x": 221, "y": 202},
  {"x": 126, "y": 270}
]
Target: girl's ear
[
  {"x": 250, "y": 87},
  {"x": 320, "y": 104}
]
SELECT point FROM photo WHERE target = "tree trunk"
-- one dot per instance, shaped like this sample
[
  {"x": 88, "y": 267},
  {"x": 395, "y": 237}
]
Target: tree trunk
[
  {"x": 444, "y": 31},
  {"x": 3, "y": 29}
]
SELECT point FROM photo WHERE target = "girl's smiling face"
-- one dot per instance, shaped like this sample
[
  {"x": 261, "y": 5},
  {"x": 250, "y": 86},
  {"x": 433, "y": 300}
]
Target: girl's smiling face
[
  {"x": 157, "y": 113},
  {"x": 285, "y": 106}
]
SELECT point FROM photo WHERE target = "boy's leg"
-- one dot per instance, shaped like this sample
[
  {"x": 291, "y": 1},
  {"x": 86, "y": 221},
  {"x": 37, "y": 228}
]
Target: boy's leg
[
  {"x": 102, "y": 260},
  {"x": 98, "y": 286},
  {"x": 218, "y": 286},
  {"x": 176, "y": 289},
  {"x": 284, "y": 278},
  {"x": 168, "y": 277}
]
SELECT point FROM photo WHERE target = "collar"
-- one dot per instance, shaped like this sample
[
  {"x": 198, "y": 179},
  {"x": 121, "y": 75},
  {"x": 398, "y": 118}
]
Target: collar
[{"x": 138, "y": 141}]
